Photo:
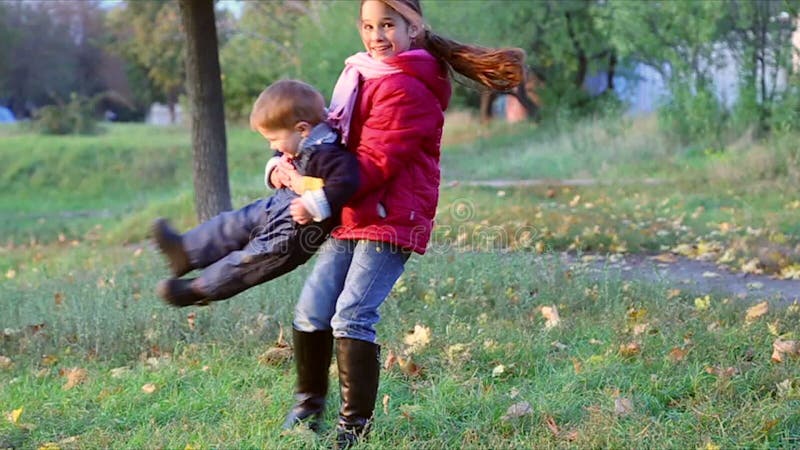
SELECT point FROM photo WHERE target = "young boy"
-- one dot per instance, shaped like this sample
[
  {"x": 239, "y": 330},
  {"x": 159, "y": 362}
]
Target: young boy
[{"x": 243, "y": 248}]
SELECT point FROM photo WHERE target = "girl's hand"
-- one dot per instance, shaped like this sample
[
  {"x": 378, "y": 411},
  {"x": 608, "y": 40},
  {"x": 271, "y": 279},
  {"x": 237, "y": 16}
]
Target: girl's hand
[
  {"x": 299, "y": 212},
  {"x": 278, "y": 178},
  {"x": 294, "y": 180}
]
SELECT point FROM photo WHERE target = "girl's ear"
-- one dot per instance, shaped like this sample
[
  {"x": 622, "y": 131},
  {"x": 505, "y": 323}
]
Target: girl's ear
[{"x": 413, "y": 31}]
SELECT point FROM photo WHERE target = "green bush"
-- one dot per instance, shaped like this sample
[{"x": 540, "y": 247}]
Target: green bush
[
  {"x": 692, "y": 117},
  {"x": 76, "y": 117}
]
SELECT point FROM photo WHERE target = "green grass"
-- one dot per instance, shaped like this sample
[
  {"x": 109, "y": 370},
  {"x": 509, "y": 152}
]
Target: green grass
[{"x": 76, "y": 291}]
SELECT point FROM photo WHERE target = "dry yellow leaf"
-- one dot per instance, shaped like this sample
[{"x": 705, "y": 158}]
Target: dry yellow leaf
[
  {"x": 781, "y": 348},
  {"x": 49, "y": 446},
  {"x": 702, "y": 303},
  {"x": 5, "y": 362},
  {"x": 149, "y": 388},
  {"x": 386, "y": 403},
  {"x": 13, "y": 416},
  {"x": 550, "y": 313},
  {"x": 575, "y": 200},
  {"x": 630, "y": 349},
  {"x": 418, "y": 338},
  {"x": 665, "y": 258},
  {"x": 75, "y": 376},
  {"x": 756, "y": 311},
  {"x": 672, "y": 293},
  {"x": 190, "y": 319}
]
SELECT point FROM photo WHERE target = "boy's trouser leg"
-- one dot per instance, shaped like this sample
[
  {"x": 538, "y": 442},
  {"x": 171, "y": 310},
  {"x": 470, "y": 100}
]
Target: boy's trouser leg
[
  {"x": 359, "y": 370},
  {"x": 312, "y": 355},
  {"x": 225, "y": 233}
]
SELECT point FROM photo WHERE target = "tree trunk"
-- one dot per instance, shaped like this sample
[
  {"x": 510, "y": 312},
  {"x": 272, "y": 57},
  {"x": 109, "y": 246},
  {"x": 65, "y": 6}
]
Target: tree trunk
[
  {"x": 487, "y": 98},
  {"x": 211, "y": 188}
]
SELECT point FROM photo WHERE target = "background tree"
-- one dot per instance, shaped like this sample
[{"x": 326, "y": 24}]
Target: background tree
[
  {"x": 211, "y": 186},
  {"x": 148, "y": 35}
]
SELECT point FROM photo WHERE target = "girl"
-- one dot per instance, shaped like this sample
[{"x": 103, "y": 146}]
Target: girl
[{"x": 388, "y": 104}]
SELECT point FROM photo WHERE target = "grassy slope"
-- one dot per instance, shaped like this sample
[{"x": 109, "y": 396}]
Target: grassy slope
[{"x": 483, "y": 309}]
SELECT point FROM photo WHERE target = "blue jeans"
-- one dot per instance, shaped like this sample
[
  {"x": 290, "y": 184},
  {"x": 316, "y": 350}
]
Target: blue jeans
[{"x": 350, "y": 280}]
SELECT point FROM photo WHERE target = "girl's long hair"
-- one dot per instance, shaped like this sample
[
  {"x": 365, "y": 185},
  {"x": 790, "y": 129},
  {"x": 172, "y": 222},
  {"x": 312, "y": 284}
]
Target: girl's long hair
[{"x": 499, "y": 69}]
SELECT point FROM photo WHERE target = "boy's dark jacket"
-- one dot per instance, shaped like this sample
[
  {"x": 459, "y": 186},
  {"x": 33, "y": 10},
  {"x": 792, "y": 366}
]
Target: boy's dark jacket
[{"x": 322, "y": 156}]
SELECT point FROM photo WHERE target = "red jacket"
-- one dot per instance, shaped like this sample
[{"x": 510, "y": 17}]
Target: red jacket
[{"x": 396, "y": 132}]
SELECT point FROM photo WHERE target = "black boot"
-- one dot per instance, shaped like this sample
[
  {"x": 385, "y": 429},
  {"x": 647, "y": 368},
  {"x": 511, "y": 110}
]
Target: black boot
[
  {"x": 312, "y": 356},
  {"x": 170, "y": 243},
  {"x": 180, "y": 292},
  {"x": 359, "y": 369}
]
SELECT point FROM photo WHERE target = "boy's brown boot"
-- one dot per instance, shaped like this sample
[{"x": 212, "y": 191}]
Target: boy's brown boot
[
  {"x": 170, "y": 243},
  {"x": 180, "y": 292}
]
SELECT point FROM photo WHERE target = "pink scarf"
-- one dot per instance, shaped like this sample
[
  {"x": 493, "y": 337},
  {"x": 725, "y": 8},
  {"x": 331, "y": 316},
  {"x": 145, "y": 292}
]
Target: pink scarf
[{"x": 345, "y": 92}]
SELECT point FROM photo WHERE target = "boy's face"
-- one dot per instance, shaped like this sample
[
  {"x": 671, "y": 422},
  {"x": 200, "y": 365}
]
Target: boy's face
[{"x": 286, "y": 141}]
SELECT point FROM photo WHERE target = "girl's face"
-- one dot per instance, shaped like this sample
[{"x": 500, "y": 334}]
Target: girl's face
[{"x": 384, "y": 31}]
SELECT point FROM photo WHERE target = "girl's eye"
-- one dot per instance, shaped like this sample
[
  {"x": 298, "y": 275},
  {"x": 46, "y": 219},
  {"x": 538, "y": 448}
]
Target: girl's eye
[
  {"x": 388, "y": 25},
  {"x": 366, "y": 27}
]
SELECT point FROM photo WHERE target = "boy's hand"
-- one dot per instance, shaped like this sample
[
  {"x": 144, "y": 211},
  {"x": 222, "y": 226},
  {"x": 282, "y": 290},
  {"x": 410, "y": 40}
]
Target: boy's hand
[{"x": 299, "y": 212}]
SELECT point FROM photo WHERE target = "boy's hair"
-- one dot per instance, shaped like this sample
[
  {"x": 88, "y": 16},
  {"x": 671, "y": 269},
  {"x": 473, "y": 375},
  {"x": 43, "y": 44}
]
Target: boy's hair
[
  {"x": 500, "y": 69},
  {"x": 286, "y": 102}
]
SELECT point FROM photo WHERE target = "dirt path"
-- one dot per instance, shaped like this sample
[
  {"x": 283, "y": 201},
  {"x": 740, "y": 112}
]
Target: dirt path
[
  {"x": 571, "y": 182},
  {"x": 693, "y": 276}
]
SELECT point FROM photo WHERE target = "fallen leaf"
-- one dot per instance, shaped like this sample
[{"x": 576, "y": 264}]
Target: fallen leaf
[
  {"x": 710, "y": 275},
  {"x": 417, "y": 339},
  {"x": 458, "y": 353},
  {"x": 190, "y": 319},
  {"x": 677, "y": 354},
  {"x": 75, "y": 376},
  {"x": 149, "y": 388},
  {"x": 391, "y": 360},
  {"x": 622, "y": 406},
  {"x": 753, "y": 266},
  {"x": 49, "y": 446},
  {"x": 5, "y": 362},
  {"x": 552, "y": 425},
  {"x": 550, "y": 313},
  {"x": 630, "y": 349},
  {"x": 58, "y": 298},
  {"x": 11, "y": 273},
  {"x": 276, "y": 355},
  {"x": 665, "y": 258},
  {"x": 636, "y": 314},
  {"x": 640, "y": 328},
  {"x": 498, "y": 370},
  {"x": 386, "y": 403},
  {"x": 756, "y": 311},
  {"x": 784, "y": 388},
  {"x": 409, "y": 367},
  {"x": 781, "y": 348},
  {"x": 517, "y": 410},
  {"x": 575, "y": 200},
  {"x": 702, "y": 303},
  {"x": 119, "y": 372},
  {"x": 722, "y": 372},
  {"x": 13, "y": 416},
  {"x": 577, "y": 366}
]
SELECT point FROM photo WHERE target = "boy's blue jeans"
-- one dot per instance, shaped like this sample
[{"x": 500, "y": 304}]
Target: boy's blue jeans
[{"x": 350, "y": 280}]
